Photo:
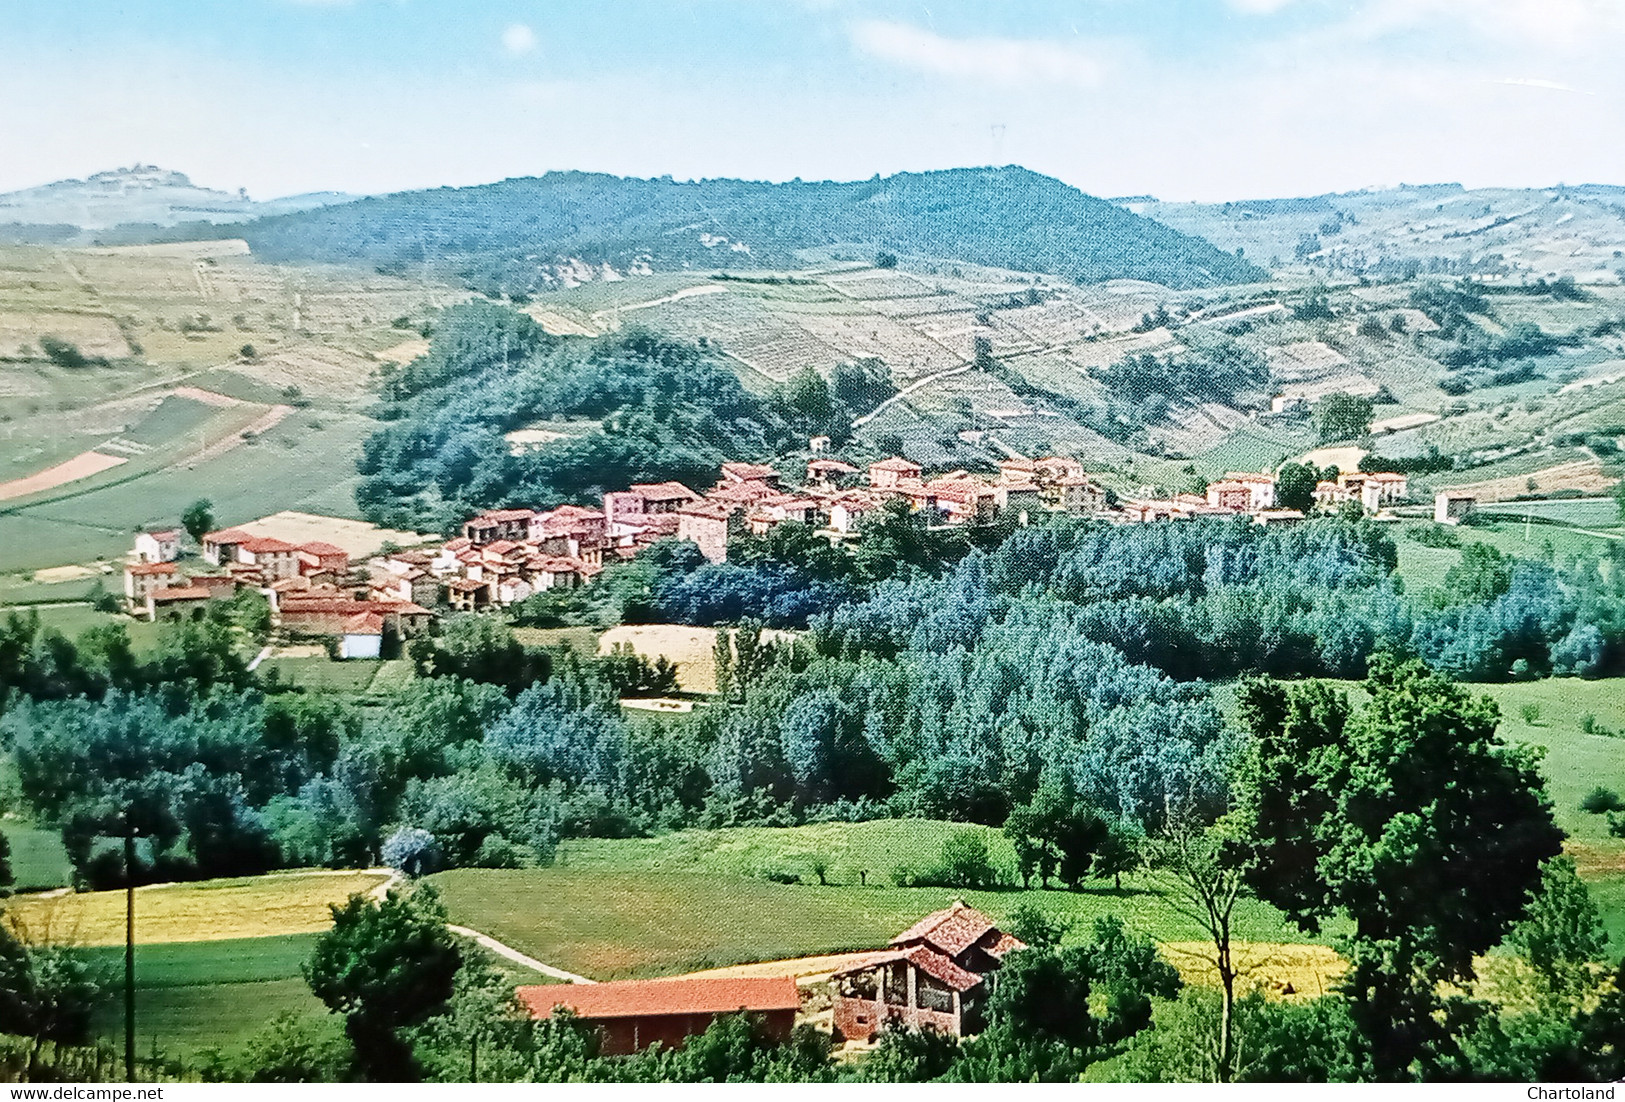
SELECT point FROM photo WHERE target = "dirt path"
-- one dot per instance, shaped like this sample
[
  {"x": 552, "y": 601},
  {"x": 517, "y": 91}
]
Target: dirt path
[
  {"x": 261, "y": 424},
  {"x": 485, "y": 941},
  {"x": 675, "y": 296},
  {"x": 910, "y": 389},
  {"x": 80, "y": 466}
]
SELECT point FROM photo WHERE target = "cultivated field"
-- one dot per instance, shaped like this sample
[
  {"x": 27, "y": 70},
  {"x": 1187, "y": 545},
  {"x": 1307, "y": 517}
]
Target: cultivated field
[
  {"x": 689, "y": 647},
  {"x": 210, "y": 910},
  {"x": 698, "y": 899}
]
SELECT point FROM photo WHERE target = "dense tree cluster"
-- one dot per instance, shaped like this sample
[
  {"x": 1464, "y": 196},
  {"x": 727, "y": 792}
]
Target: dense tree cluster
[{"x": 650, "y": 409}]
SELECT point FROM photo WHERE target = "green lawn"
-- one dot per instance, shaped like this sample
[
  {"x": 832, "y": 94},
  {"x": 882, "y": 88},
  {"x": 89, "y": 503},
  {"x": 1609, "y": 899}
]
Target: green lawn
[
  {"x": 323, "y": 673},
  {"x": 1575, "y": 762},
  {"x": 307, "y": 463},
  {"x": 193, "y": 995},
  {"x": 686, "y": 901},
  {"x": 38, "y": 861}
]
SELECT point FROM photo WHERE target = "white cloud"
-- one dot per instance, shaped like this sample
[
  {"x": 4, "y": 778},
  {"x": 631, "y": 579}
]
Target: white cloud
[
  {"x": 1009, "y": 61},
  {"x": 518, "y": 39},
  {"x": 1258, "y": 7}
]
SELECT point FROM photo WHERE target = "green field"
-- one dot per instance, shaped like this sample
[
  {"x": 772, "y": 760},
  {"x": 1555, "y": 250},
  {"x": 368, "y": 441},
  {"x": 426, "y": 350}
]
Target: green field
[
  {"x": 193, "y": 995},
  {"x": 685, "y": 901},
  {"x": 38, "y": 861},
  {"x": 306, "y": 463}
]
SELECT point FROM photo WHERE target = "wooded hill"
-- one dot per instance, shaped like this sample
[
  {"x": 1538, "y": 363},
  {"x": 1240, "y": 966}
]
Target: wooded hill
[{"x": 519, "y": 235}]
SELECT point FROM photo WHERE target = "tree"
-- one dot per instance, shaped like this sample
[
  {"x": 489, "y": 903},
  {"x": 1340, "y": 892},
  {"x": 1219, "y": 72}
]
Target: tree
[
  {"x": 1410, "y": 816},
  {"x": 47, "y": 993},
  {"x": 1295, "y": 486},
  {"x": 1205, "y": 874},
  {"x": 6, "y": 877},
  {"x": 1343, "y": 417},
  {"x": 1482, "y": 574},
  {"x": 198, "y": 519},
  {"x": 1561, "y": 935},
  {"x": 385, "y": 966},
  {"x": 1054, "y": 1011}
]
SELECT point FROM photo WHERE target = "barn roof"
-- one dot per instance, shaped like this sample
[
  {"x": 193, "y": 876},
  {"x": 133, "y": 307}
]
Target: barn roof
[
  {"x": 926, "y": 959},
  {"x": 654, "y": 998},
  {"x": 952, "y": 930}
]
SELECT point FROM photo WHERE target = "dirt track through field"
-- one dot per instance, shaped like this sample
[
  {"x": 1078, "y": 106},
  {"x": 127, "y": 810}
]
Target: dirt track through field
[
  {"x": 80, "y": 466},
  {"x": 264, "y": 423}
]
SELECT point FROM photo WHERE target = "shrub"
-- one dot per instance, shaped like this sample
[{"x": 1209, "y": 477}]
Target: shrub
[
  {"x": 965, "y": 863},
  {"x": 1588, "y": 723},
  {"x": 413, "y": 851},
  {"x": 1530, "y": 713},
  {"x": 1600, "y": 800}
]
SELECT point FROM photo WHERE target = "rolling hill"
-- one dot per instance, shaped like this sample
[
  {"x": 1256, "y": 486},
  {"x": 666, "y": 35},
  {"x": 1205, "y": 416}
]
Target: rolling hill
[
  {"x": 67, "y": 211},
  {"x": 525, "y": 235}
]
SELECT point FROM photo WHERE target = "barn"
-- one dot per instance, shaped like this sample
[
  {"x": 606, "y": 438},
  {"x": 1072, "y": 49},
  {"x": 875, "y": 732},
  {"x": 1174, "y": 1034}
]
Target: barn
[{"x": 634, "y": 1014}]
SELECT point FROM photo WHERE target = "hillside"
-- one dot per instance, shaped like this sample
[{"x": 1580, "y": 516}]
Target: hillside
[
  {"x": 1509, "y": 234},
  {"x": 525, "y": 235},
  {"x": 143, "y": 195}
]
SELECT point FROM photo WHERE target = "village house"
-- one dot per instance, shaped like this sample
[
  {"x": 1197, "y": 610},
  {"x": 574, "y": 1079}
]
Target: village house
[
  {"x": 220, "y": 548},
  {"x": 705, "y": 525},
  {"x": 823, "y": 473},
  {"x": 274, "y": 559},
  {"x": 177, "y": 602},
  {"x": 935, "y": 975},
  {"x": 158, "y": 546},
  {"x": 1079, "y": 496},
  {"x": 741, "y": 474},
  {"x": 1232, "y": 496},
  {"x": 848, "y": 510},
  {"x": 631, "y": 1015},
  {"x": 1260, "y": 487},
  {"x": 893, "y": 474},
  {"x": 498, "y": 524},
  {"x": 1453, "y": 506},
  {"x": 142, "y": 578}
]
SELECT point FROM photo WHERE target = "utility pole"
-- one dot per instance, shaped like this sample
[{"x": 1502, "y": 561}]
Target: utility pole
[{"x": 129, "y": 949}]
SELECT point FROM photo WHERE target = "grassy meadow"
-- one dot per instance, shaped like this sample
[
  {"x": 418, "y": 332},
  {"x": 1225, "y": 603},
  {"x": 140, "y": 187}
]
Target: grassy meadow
[{"x": 694, "y": 900}]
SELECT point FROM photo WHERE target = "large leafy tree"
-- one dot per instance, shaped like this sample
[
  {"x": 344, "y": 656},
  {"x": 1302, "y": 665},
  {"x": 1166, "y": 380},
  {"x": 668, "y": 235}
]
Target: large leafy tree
[
  {"x": 1409, "y": 816},
  {"x": 385, "y": 966}
]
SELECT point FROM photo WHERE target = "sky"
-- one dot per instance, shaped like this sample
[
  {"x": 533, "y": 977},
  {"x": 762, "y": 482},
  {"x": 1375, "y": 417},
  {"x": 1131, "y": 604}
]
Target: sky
[{"x": 1181, "y": 99}]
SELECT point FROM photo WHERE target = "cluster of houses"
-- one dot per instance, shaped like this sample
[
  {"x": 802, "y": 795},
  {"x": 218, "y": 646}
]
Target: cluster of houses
[
  {"x": 935, "y": 975},
  {"x": 504, "y": 556},
  {"x": 314, "y": 590}
]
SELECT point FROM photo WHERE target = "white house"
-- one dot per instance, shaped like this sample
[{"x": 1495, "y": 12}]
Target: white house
[{"x": 163, "y": 546}]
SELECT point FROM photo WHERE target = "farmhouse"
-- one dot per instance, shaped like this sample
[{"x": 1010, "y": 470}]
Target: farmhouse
[
  {"x": 142, "y": 578},
  {"x": 635, "y": 1014},
  {"x": 500, "y": 524},
  {"x": 159, "y": 546},
  {"x": 936, "y": 974}
]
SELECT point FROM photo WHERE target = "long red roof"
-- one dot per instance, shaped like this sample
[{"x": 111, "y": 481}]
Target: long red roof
[{"x": 656, "y": 998}]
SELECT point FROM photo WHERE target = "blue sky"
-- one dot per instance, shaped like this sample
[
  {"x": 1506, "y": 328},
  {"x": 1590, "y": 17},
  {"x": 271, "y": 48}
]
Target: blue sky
[{"x": 1184, "y": 99}]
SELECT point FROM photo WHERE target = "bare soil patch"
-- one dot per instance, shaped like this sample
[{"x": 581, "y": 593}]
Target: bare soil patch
[{"x": 80, "y": 466}]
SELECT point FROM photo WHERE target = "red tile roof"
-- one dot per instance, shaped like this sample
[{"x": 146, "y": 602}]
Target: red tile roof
[
  {"x": 150, "y": 568},
  {"x": 318, "y": 548},
  {"x": 226, "y": 535},
  {"x": 499, "y": 516},
  {"x": 663, "y": 491},
  {"x": 656, "y": 998},
  {"x": 166, "y": 534},
  {"x": 179, "y": 593},
  {"x": 927, "y": 960},
  {"x": 952, "y": 930},
  {"x": 748, "y": 472},
  {"x": 265, "y": 545},
  {"x": 898, "y": 465}
]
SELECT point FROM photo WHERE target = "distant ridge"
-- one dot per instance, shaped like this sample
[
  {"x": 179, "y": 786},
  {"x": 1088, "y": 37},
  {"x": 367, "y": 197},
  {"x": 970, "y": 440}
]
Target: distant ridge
[
  {"x": 525, "y": 235},
  {"x": 138, "y": 195}
]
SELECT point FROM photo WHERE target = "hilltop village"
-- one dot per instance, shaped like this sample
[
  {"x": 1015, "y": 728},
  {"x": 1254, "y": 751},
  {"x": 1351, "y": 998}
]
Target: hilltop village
[{"x": 503, "y": 556}]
